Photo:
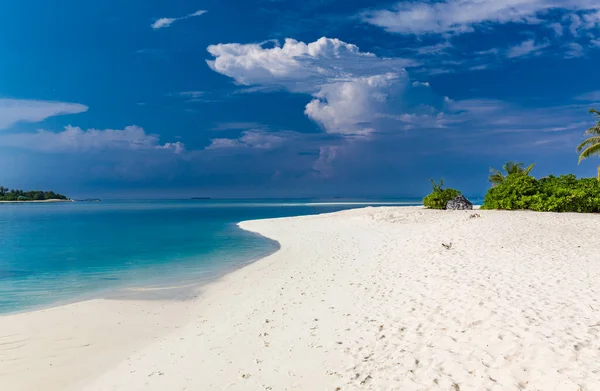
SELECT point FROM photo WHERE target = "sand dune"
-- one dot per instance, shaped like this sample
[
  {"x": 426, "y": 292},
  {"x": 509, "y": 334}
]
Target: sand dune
[{"x": 370, "y": 299}]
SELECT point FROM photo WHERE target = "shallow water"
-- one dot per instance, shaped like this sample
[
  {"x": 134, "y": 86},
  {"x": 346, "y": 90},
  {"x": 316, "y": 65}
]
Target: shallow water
[{"x": 54, "y": 253}]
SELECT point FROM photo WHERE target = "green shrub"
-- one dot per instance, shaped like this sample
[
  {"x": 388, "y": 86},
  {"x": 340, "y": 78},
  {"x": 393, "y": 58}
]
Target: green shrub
[
  {"x": 552, "y": 194},
  {"x": 439, "y": 197},
  {"x": 20, "y": 195}
]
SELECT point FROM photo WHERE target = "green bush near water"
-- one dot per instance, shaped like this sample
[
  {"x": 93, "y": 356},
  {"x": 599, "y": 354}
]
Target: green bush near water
[
  {"x": 565, "y": 193},
  {"x": 439, "y": 197}
]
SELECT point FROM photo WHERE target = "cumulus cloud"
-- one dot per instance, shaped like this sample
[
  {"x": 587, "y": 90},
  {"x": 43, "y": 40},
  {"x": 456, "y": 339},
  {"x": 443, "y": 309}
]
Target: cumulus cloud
[
  {"x": 461, "y": 16},
  {"x": 18, "y": 110},
  {"x": 349, "y": 87},
  {"x": 166, "y": 22},
  {"x": 75, "y": 139},
  {"x": 525, "y": 48},
  {"x": 323, "y": 165},
  {"x": 350, "y": 107}
]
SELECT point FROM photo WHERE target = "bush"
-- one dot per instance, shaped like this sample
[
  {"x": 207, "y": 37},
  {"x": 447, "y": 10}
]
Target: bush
[
  {"x": 552, "y": 194},
  {"x": 439, "y": 197}
]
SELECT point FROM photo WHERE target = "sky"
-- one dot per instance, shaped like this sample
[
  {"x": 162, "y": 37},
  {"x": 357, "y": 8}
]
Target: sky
[{"x": 282, "y": 98}]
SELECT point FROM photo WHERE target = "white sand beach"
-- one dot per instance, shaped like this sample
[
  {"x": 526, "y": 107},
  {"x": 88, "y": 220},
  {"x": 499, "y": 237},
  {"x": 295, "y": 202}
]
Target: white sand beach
[{"x": 366, "y": 299}]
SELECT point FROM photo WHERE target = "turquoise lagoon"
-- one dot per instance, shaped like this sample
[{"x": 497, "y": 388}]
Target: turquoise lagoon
[{"x": 57, "y": 253}]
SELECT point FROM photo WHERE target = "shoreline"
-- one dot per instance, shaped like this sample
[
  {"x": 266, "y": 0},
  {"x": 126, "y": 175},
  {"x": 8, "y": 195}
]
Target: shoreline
[
  {"x": 129, "y": 292},
  {"x": 53, "y": 326},
  {"x": 35, "y": 201},
  {"x": 359, "y": 299}
]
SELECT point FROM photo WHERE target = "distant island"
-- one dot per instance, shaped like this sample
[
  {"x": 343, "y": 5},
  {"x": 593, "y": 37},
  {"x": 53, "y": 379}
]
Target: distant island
[
  {"x": 201, "y": 198},
  {"x": 14, "y": 195},
  {"x": 89, "y": 200}
]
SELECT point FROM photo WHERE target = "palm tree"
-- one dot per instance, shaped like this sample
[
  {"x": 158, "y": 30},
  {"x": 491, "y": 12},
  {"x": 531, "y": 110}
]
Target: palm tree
[
  {"x": 516, "y": 168},
  {"x": 591, "y": 146},
  {"x": 3, "y": 190}
]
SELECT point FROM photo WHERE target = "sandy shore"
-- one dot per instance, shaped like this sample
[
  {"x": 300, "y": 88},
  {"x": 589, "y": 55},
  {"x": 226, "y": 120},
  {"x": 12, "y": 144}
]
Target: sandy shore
[
  {"x": 367, "y": 299},
  {"x": 35, "y": 202}
]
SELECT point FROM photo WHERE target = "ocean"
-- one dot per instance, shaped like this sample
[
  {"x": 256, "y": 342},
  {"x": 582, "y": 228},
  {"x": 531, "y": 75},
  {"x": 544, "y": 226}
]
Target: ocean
[{"x": 64, "y": 252}]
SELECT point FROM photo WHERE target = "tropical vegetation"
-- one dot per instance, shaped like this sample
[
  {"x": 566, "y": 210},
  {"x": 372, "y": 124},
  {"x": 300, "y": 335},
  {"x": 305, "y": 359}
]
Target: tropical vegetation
[
  {"x": 591, "y": 146},
  {"x": 516, "y": 189},
  {"x": 510, "y": 168},
  {"x": 439, "y": 197},
  {"x": 35, "y": 195},
  {"x": 565, "y": 193}
]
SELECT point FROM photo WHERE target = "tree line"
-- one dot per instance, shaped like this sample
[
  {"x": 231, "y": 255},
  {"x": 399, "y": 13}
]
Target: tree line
[
  {"x": 514, "y": 189},
  {"x": 7, "y": 194}
]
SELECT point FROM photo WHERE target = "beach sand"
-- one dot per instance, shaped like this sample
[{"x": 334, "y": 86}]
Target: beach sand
[{"x": 367, "y": 299}]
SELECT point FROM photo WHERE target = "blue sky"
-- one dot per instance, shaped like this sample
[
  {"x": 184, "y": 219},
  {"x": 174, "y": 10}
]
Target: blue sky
[{"x": 277, "y": 98}]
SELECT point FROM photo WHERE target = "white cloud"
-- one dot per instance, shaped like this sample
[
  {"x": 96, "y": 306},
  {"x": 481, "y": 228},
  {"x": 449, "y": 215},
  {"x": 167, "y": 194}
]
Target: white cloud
[
  {"x": 18, "y": 110},
  {"x": 460, "y": 16},
  {"x": 198, "y": 13},
  {"x": 177, "y": 147},
  {"x": 298, "y": 66},
  {"x": 349, "y": 87},
  {"x": 436, "y": 49},
  {"x": 163, "y": 22},
  {"x": 557, "y": 28},
  {"x": 593, "y": 96},
  {"x": 238, "y": 125},
  {"x": 191, "y": 94},
  {"x": 420, "y": 84},
  {"x": 583, "y": 22},
  {"x": 257, "y": 139},
  {"x": 75, "y": 139},
  {"x": 525, "y": 48},
  {"x": 350, "y": 107},
  {"x": 166, "y": 22},
  {"x": 495, "y": 116},
  {"x": 323, "y": 164},
  {"x": 423, "y": 121},
  {"x": 574, "y": 50},
  {"x": 221, "y": 143}
]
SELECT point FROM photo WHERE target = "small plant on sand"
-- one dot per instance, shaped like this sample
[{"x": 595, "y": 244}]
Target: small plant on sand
[{"x": 439, "y": 197}]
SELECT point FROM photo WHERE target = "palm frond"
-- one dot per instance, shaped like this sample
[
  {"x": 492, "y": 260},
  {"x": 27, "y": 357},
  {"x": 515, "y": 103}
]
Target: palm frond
[
  {"x": 595, "y": 130},
  {"x": 435, "y": 186},
  {"x": 511, "y": 167},
  {"x": 496, "y": 176},
  {"x": 589, "y": 142},
  {"x": 528, "y": 169},
  {"x": 590, "y": 151}
]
